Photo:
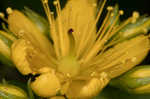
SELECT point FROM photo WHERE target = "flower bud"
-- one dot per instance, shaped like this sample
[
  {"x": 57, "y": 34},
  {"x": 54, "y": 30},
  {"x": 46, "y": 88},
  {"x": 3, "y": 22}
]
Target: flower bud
[
  {"x": 130, "y": 30},
  {"x": 11, "y": 92},
  {"x": 135, "y": 81},
  {"x": 46, "y": 85},
  {"x": 141, "y": 26},
  {"x": 18, "y": 56},
  {"x": 6, "y": 41}
]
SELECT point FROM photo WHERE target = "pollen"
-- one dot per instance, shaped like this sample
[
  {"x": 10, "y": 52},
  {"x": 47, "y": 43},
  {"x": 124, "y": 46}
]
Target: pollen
[
  {"x": 109, "y": 8},
  {"x": 2, "y": 15},
  {"x": 121, "y": 12},
  {"x": 9, "y": 10}
]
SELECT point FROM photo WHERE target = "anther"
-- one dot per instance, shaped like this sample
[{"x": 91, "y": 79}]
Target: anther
[
  {"x": 2, "y": 15},
  {"x": 45, "y": 1},
  {"x": 55, "y": 2},
  {"x": 135, "y": 16},
  {"x": 109, "y": 8},
  {"x": 121, "y": 12},
  {"x": 9, "y": 10}
]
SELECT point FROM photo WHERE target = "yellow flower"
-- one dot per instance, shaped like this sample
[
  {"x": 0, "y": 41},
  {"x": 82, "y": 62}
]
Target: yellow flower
[
  {"x": 11, "y": 91},
  {"x": 81, "y": 60}
]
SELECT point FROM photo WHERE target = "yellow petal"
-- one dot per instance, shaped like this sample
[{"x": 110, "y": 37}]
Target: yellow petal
[
  {"x": 124, "y": 56},
  {"x": 29, "y": 60},
  {"x": 46, "y": 85},
  {"x": 78, "y": 13},
  {"x": 78, "y": 16},
  {"x": 19, "y": 57},
  {"x": 87, "y": 89},
  {"x": 24, "y": 28}
]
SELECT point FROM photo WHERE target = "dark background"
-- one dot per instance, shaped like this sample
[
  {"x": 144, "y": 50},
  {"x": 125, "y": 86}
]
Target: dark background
[{"x": 143, "y": 6}]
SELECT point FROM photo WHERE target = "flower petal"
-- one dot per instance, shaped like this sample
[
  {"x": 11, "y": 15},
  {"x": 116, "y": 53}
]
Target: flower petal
[
  {"x": 24, "y": 28},
  {"x": 79, "y": 17},
  {"x": 18, "y": 56},
  {"x": 124, "y": 56},
  {"x": 120, "y": 58},
  {"x": 46, "y": 85},
  {"x": 87, "y": 89},
  {"x": 29, "y": 60}
]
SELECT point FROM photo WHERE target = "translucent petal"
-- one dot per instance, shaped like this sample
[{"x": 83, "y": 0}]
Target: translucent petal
[
  {"x": 18, "y": 55},
  {"x": 124, "y": 56},
  {"x": 24, "y": 28},
  {"x": 29, "y": 60}
]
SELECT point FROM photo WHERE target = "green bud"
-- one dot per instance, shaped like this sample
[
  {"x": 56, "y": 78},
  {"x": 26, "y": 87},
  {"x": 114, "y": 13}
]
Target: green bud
[
  {"x": 136, "y": 80},
  {"x": 114, "y": 14},
  {"x": 38, "y": 20},
  {"x": 132, "y": 27},
  {"x": 6, "y": 41},
  {"x": 141, "y": 26},
  {"x": 11, "y": 92}
]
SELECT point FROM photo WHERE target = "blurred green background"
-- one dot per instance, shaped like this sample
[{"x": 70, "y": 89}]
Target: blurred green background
[{"x": 143, "y": 6}]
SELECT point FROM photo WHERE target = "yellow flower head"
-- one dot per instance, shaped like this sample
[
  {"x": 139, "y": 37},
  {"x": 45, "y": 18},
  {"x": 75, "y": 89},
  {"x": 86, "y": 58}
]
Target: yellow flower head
[{"x": 81, "y": 59}]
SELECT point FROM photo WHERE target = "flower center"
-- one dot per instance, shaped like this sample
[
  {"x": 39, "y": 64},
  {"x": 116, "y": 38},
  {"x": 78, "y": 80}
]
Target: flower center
[{"x": 69, "y": 66}]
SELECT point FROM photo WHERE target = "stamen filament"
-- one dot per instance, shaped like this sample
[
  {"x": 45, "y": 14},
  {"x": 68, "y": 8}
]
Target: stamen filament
[
  {"x": 101, "y": 41},
  {"x": 86, "y": 37},
  {"x": 63, "y": 36},
  {"x": 2, "y": 16}
]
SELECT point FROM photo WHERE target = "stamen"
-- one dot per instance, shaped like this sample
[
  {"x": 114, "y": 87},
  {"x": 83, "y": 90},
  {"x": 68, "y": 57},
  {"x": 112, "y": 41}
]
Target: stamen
[
  {"x": 103, "y": 27},
  {"x": 2, "y": 16},
  {"x": 100, "y": 42},
  {"x": 9, "y": 10},
  {"x": 135, "y": 16},
  {"x": 104, "y": 23},
  {"x": 85, "y": 38},
  {"x": 109, "y": 8},
  {"x": 121, "y": 12},
  {"x": 50, "y": 16},
  {"x": 105, "y": 47},
  {"x": 55, "y": 37},
  {"x": 63, "y": 37},
  {"x": 47, "y": 10},
  {"x": 113, "y": 25},
  {"x": 100, "y": 12},
  {"x": 116, "y": 53}
]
